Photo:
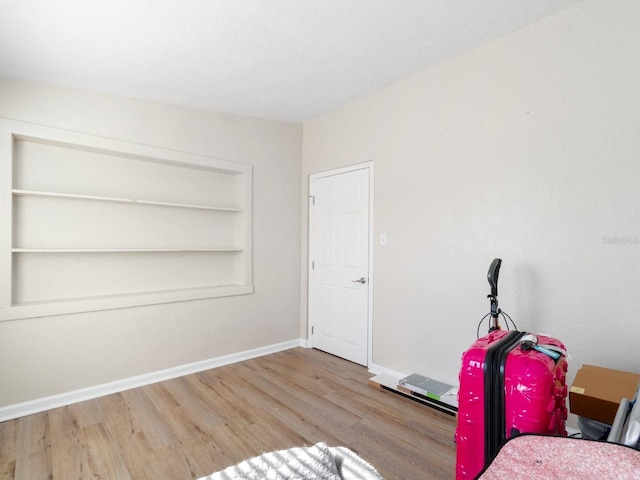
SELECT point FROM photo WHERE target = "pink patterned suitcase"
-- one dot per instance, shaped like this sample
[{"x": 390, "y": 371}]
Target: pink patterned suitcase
[{"x": 510, "y": 383}]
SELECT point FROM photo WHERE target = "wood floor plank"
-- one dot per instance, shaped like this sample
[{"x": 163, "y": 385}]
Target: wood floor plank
[
  {"x": 68, "y": 448},
  {"x": 146, "y": 418},
  {"x": 189, "y": 427},
  {"x": 88, "y": 413},
  {"x": 33, "y": 455},
  {"x": 8, "y": 470},
  {"x": 187, "y": 393},
  {"x": 104, "y": 460},
  {"x": 254, "y": 425},
  {"x": 8, "y": 444},
  {"x": 129, "y": 442},
  {"x": 176, "y": 462},
  {"x": 178, "y": 418}
]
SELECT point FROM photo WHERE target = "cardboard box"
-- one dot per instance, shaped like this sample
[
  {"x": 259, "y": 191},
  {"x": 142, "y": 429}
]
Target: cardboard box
[{"x": 596, "y": 392}]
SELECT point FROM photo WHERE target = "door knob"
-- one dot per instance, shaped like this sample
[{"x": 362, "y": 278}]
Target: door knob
[{"x": 360, "y": 280}]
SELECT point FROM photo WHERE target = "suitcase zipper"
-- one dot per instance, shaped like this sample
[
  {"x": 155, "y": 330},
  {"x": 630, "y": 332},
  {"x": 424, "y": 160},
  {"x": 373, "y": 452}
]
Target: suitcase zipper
[{"x": 494, "y": 391}]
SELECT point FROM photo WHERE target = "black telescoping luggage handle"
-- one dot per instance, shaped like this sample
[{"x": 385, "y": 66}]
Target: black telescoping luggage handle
[{"x": 492, "y": 277}]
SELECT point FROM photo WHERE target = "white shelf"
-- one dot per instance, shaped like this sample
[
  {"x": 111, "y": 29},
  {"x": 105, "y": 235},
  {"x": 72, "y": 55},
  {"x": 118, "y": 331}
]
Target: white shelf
[
  {"x": 67, "y": 248},
  {"x": 121, "y": 250},
  {"x": 73, "y": 196},
  {"x": 91, "y": 304}
]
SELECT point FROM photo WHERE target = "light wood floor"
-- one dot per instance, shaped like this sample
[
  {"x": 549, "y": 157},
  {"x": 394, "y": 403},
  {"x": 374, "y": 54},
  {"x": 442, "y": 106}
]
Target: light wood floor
[{"x": 192, "y": 426}]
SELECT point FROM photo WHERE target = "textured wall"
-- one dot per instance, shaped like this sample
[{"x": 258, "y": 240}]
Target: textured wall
[
  {"x": 526, "y": 149},
  {"x": 46, "y": 356}
]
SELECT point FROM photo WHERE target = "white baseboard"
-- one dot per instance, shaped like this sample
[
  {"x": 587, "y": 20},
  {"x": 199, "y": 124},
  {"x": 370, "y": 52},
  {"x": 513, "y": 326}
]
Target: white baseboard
[
  {"x": 39, "y": 405},
  {"x": 376, "y": 369}
]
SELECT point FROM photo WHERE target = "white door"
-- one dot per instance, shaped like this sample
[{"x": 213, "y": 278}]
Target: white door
[{"x": 339, "y": 211}]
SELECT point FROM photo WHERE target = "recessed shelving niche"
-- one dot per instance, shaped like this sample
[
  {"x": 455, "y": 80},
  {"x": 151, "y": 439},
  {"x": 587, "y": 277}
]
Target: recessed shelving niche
[{"x": 89, "y": 223}]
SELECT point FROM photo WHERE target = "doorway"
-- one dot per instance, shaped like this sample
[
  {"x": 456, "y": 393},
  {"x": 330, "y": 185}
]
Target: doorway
[{"x": 340, "y": 262}]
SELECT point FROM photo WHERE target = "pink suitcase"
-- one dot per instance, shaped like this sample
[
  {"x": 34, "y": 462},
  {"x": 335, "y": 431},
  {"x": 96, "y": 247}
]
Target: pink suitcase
[{"x": 507, "y": 387}]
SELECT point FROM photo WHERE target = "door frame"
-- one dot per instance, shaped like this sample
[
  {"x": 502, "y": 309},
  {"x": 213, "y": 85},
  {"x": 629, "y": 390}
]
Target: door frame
[{"x": 310, "y": 233}]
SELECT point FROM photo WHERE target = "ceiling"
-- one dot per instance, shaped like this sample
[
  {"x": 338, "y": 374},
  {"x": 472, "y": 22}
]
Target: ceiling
[{"x": 290, "y": 60}]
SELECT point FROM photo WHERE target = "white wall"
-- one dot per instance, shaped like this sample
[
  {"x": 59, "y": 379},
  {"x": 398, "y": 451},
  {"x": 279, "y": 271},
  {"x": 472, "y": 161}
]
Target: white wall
[
  {"x": 47, "y": 356},
  {"x": 527, "y": 149}
]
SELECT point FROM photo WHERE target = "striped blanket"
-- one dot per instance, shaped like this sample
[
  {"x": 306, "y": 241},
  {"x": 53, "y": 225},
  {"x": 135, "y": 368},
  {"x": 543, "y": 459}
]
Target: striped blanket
[{"x": 318, "y": 462}]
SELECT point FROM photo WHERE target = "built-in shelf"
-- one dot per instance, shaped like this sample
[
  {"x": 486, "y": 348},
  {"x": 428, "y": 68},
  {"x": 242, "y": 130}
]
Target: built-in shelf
[
  {"x": 89, "y": 223},
  {"x": 73, "y": 196},
  {"x": 97, "y": 303}
]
